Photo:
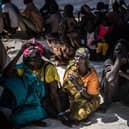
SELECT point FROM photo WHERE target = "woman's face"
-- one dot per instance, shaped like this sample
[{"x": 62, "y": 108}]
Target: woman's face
[
  {"x": 35, "y": 63},
  {"x": 82, "y": 65}
]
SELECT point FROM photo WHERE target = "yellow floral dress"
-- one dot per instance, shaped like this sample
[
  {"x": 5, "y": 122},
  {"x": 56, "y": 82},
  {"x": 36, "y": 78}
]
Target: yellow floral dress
[{"x": 80, "y": 107}]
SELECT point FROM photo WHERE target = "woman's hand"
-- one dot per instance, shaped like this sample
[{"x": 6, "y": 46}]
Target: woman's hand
[{"x": 75, "y": 80}]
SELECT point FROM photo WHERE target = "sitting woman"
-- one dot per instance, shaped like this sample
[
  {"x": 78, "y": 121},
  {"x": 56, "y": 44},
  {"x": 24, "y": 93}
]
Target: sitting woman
[
  {"x": 47, "y": 72},
  {"x": 23, "y": 92},
  {"x": 82, "y": 84}
]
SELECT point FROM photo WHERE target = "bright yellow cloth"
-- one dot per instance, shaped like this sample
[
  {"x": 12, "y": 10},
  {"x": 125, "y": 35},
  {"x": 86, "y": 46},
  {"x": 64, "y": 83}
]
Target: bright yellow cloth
[
  {"x": 20, "y": 72},
  {"x": 90, "y": 82},
  {"x": 51, "y": 74}
]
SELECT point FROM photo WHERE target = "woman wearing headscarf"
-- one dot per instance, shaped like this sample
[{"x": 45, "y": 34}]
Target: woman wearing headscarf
[
  {"x": 82, "y": 84},
  {"x": 23, "y": 91}
]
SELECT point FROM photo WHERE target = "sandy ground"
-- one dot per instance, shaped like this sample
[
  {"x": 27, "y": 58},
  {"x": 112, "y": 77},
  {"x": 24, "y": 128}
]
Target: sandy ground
[{"x": 117, "y": 117}]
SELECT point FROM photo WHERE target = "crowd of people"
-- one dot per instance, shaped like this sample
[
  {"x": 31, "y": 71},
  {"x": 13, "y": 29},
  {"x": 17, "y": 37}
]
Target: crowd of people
[
  {"x": 97, "y": 29},
  {"x": 31, "y": 91}
]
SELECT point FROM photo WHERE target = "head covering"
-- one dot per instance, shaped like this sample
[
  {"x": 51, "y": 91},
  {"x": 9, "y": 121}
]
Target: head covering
[
  {"x": 34, "y": 45},
  {"x": 35, "y": 50},
  {"x": 82, "y": 52}
]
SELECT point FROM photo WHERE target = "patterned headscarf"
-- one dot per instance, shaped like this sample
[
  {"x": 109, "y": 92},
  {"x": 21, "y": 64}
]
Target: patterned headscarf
[
  {"x": 82, "y": 53},
  {"x": 35, "y": 50},
  {"x": 36, "y": 46}
]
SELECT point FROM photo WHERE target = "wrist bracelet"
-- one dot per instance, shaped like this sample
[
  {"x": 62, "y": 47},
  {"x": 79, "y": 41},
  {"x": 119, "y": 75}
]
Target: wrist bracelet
[{"x": 82, "y": 90}]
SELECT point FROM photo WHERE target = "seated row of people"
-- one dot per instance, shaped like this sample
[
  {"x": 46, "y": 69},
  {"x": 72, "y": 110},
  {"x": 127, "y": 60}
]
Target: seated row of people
[{"x": 32, "y": 91}]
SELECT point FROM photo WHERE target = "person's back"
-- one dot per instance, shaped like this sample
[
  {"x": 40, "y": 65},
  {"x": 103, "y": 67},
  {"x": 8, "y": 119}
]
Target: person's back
[
  {"x": 32, "y": 13},
  {"x": 50, "y": 11},
  {"x": 68, "y": 24},
  {"x": 53, "y": 20},
  {"x": 87, "y": 16}
]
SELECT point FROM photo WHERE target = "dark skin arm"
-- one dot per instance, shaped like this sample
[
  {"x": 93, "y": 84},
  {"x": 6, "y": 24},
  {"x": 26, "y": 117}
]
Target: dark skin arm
[
  {"x": 79, "y": 87},
  {"x": 53, "y": 86},
  {"x": 83, "y": 92},
  {"x": 124, "y": 75},
  {"x": 110, "y": 76},
  {"x": 9, "y": 69}
]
